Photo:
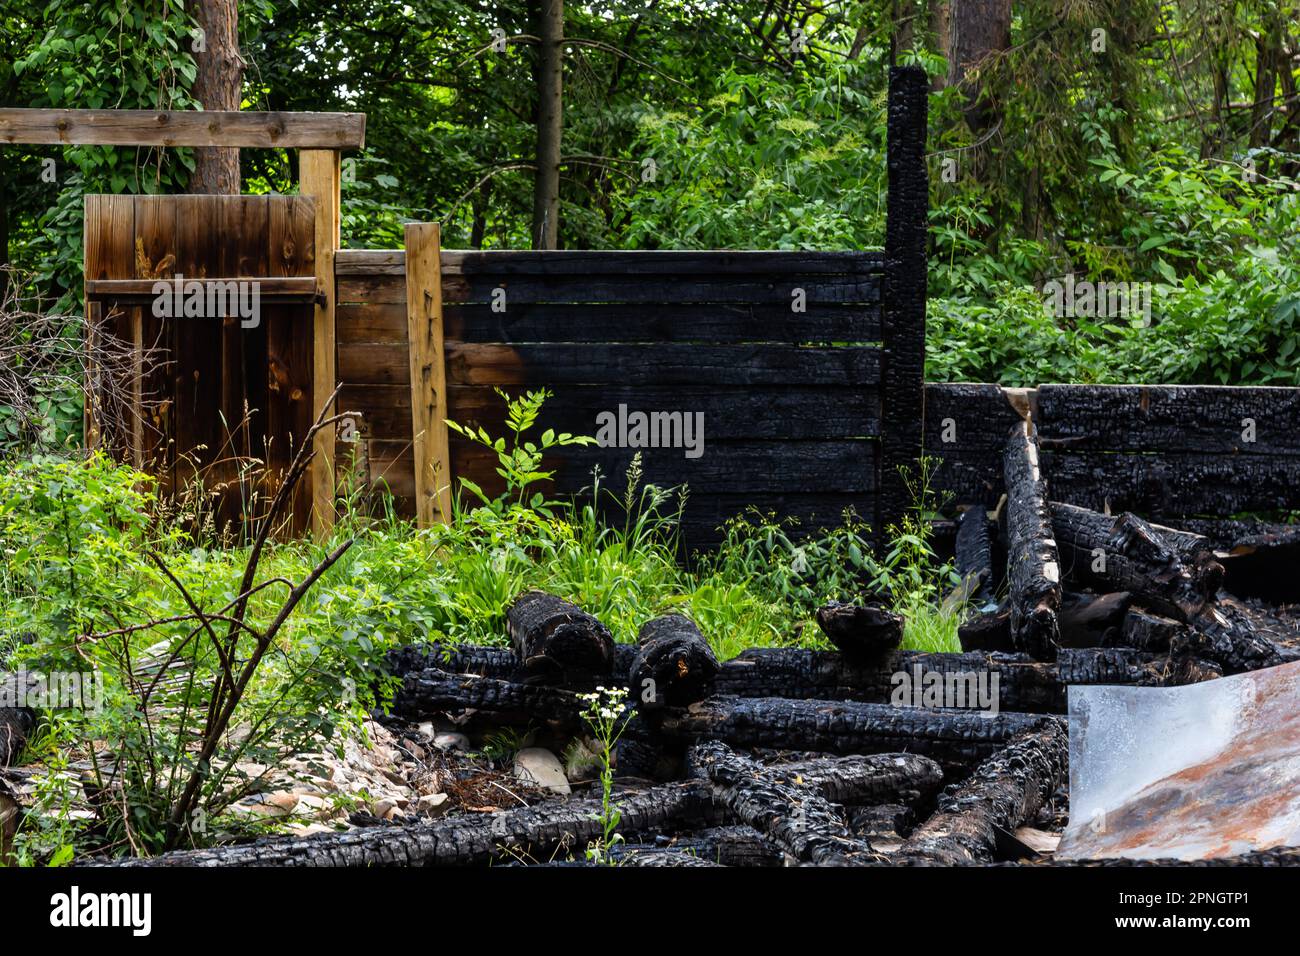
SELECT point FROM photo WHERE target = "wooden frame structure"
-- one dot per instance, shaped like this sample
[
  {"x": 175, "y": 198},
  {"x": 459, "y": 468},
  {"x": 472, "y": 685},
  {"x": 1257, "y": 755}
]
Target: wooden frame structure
[{"x": 320, "y": 138}]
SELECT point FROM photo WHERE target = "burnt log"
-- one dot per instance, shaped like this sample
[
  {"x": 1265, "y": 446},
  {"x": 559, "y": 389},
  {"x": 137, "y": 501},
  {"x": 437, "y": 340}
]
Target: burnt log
[
  {"x": 858, "y": 780},
  {"x": 862, "y": 632},
  {"x": 1005, "y": 791},
  {"x": 429, "y": 692},
  {"x": 642, "y": 855},
  {"x": 674, "y": 665},
  {"x": 1146, "y": 631},
  {"x": 795, "y": 817},
  {"x": 734, "y": 845},
  {"x": 953, "y": 738},
  {"x": 974, "y": 560},
  {"x": 1033, "y": 567},
  {"x": 1125, "y": 553},
  {"x": 539, "y": 831},
  {"x": 1226, "y": 634},
  {"x": 1122, "y": 665},
  {"x": 557, "y": 643}
]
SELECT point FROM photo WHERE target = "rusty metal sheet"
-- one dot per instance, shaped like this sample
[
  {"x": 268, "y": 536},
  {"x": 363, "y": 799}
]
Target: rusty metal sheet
[{"x": 1207, "y": 770}]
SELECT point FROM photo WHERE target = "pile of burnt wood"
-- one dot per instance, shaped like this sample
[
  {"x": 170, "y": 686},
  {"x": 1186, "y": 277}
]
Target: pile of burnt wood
[{"x": 787, "y": 755}]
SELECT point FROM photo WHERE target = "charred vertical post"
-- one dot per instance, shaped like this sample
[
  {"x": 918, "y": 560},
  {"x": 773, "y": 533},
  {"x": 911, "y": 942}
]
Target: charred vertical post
[{"x": 903, "y": 312}]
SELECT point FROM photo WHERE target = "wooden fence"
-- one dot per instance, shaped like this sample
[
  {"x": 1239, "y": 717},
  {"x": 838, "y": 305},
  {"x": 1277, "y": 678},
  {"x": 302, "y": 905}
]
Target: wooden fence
[{"x": 1170, "y": 452}]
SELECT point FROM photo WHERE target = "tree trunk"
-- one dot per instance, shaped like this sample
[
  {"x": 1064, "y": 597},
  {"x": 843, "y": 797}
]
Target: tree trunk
[
  {"x": 217, "y": 86},
  {"x": 550, "y": 122},
  {"x": 1005, "y": 791},
  {"x": 977, "y": 29}
]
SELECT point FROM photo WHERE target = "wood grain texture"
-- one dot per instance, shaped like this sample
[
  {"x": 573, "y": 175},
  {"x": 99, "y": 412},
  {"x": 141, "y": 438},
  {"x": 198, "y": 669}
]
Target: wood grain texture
[
  {"x": 320, "y": 180},
  {"x": 197, "y": 128},
  {"x": 427, "y": 371}
]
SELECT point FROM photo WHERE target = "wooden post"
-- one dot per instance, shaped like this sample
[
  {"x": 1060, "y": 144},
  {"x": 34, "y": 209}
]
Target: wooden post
[
  {"x": 903, "y": 313},
  {"x": 428, "y": 373},
  {"x": 320, "y": 177}
]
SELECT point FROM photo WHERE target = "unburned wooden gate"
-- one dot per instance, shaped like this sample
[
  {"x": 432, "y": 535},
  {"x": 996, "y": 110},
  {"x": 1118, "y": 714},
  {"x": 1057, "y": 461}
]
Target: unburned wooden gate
[{"x": 217, "y": 295}]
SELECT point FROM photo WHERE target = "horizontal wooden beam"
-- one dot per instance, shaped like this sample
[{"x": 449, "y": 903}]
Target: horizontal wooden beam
[
  {"x": 570, "y": 262},
  {"x": 279, "y": 290},
  {"x": 193, "y": 128}
]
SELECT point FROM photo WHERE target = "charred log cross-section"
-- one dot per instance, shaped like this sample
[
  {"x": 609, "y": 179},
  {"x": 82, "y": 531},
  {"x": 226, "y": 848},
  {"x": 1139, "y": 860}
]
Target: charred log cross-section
[
  {"x": 1125, "y": 553},
  {"x": 1145, "y": 631},
  {"x": 557, "y": 643},
  {"x": 795, "y": 817},
  {"x": 862, "y": 632},
  {"x": 674, "y": 665},
  {"x": 1005, "y": 791},
  {"x": 1033, "y": 567},
  {"x": 954, "y": 738}
]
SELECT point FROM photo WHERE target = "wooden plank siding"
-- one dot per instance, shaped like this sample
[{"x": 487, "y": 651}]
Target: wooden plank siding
[
  {"x": 1170, "y": 453},
  {"x": 790, "y": 398},
  {"x": 214, "y": 394}
]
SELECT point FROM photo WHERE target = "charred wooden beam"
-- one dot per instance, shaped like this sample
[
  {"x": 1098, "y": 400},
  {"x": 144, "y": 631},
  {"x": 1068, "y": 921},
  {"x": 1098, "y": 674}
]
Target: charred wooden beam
[
  {"x": 643, "y": 855},
  {"x": 1225, "y": 634},
  {"x": 1125, "y": 553},
  {"x": 1033, "y": 567},
  {"x": 954, "y": 738},
  {"x": 795, "y": 817},
  {"x": 974, "y": 560},
  {"x": 558, "y": 643},
  {"x": 538, "y": 831},
  {"x": 861, "y": 632},
  {"x": 1121, "y": 665},
  {"x": 428, "y": 692},
  {"x": 1005, "y": 791},
  {"x": 674, "y": 665}
]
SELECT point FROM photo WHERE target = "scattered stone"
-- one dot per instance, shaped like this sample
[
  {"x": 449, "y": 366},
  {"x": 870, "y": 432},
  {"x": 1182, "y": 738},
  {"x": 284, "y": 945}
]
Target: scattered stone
[
  {"x": 538, "y": 766},
  {"x": 433, "y": 804},
  {"x": 452, "y": 741}
]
